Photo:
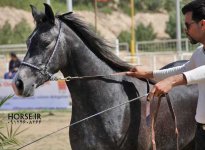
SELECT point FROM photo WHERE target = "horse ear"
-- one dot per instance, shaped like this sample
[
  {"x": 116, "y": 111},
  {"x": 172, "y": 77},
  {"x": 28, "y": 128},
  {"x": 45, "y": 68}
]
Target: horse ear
[
  {"x": 49, "y": 13},
  {"x": 37, "y": 15}
]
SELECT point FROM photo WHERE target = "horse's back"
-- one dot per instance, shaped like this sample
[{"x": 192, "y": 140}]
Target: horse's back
[
  {"x": 174, "y": 64},
  {"x": 184, "y": 101}
]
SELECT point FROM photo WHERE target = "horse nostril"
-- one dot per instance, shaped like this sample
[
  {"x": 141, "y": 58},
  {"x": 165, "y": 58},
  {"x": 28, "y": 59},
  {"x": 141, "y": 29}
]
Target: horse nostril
[{"x": 19, "y": 84}]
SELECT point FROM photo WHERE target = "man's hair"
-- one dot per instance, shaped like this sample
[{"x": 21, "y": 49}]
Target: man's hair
[{"x": 197, "y": 7}]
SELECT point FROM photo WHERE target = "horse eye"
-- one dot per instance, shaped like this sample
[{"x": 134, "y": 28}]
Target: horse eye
[
  {"x": 45, "y": 40},
  {"x": 45, "y": 44}
]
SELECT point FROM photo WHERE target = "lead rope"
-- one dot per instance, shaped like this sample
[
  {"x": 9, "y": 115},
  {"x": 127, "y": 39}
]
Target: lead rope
[
  {"x": 174, "y": 118},
  {"x": 148, "y": 104},
  {"x": 89, "y": 117},
  {"x": 154, "y": 117},
  {"x": 69, "y": 78}
]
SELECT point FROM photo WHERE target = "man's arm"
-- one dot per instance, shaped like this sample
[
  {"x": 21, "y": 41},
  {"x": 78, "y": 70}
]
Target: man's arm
[
  {"x": 166, "y": 85},
  {"x": 140, "y": 72},
  {"x": 196, "y": 75}
]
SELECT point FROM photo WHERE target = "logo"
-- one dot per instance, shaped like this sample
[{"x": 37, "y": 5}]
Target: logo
[{"x": 24, "y": 118}]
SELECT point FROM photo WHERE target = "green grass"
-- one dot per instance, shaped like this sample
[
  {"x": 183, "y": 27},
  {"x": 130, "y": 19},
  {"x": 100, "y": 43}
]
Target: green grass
[
  {"x": 5, "y": 99},
  {"x": 57, "y": 5},
  {"x": 88, "y": 7},
  {"x": 8, "y": 140}
]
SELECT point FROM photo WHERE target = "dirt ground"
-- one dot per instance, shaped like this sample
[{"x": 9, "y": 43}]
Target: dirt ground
[{"x": 50, "y": 121}]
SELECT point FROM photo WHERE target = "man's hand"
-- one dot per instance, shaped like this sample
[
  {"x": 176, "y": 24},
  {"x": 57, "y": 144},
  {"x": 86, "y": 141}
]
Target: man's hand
[
  {"x": 140, "y": 72},
  {"x": 160, "y": 88},
  {"x": 166, "y": 85}
]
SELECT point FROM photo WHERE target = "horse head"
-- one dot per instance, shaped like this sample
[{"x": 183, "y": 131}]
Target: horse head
[{"x": 41, "y": 60}]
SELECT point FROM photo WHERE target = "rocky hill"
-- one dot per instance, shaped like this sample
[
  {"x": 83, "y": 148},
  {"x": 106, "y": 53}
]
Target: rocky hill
[{"x": 109, "y": 25}]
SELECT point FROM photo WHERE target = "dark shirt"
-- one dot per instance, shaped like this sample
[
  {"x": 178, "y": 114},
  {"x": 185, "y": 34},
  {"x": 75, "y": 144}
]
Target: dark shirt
[{"x": 14, "y": 64}]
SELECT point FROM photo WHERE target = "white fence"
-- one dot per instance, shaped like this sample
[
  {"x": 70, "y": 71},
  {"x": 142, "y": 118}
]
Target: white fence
[
  {"x": 156, "y": 54},
  {"x": 156, "y": 60},
  {"x": 152, "y": 54},
  {"x": 165, "y": 45}
]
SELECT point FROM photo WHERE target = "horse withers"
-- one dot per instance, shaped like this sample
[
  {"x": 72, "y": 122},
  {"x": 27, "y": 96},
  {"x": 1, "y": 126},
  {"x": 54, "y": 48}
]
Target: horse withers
[{"x": 65, "y": 43}]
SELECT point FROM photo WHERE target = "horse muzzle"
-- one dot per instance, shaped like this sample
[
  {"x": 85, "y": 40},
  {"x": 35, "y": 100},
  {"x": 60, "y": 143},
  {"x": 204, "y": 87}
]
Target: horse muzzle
[{"x": 23, "y": 89}]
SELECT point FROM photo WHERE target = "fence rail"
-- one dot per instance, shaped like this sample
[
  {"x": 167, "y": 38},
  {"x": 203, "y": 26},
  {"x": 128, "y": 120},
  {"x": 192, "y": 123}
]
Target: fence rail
[
  {"x": 164, "y": 45},
  {"x": 18, "y": 48},
  {"x": 153, "y": 54},
  {"x": 144, "y": 46}
]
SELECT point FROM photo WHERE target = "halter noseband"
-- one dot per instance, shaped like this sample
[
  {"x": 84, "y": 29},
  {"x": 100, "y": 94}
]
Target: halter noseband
[{"x": 44, "y": 70}]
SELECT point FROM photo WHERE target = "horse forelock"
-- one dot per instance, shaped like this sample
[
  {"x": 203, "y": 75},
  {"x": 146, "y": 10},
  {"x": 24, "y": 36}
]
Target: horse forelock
[{"x": 98, "y": 46}]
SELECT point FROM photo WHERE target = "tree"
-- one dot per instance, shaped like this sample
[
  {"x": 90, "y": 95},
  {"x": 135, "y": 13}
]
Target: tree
[
  {"x": 171, "y": 26},
  {"x": 145, "y": 33},
  {"x": 17, "y": 35},
  {"x": 21, "y": 32},
  {"x": 169, "y": 5},
  {"x": 124, "y": 36},
  {"x": 6, "y": 34},
  {"x": 154, "y": 5}
]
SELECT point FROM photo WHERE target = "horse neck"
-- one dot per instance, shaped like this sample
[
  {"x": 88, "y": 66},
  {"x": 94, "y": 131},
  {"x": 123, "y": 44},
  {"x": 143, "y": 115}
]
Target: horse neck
[{"x": 83, "y": 62}]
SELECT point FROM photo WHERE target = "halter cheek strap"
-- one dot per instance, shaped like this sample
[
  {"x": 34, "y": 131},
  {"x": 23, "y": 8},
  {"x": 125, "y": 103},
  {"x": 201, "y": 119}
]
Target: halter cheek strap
[{"x": 44, "y": 71}]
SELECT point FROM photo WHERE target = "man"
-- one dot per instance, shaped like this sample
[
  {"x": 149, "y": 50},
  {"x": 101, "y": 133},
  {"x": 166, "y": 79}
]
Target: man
[
  {"x": 193, "y": 72},
  {"x": 13, "y": 66}
]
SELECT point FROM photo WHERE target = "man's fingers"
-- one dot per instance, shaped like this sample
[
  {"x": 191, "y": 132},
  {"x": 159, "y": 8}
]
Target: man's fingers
[
  {"x": 133, "y": 69},
  {"x": 130, "y": 73},
  {"x": 151, "y": 94},
  {"x": 155, "y": 92}
]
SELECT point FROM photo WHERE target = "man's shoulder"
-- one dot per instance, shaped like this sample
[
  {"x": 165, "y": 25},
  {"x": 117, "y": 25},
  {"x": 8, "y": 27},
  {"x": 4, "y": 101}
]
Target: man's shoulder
[{"x": 199, "y": 49}]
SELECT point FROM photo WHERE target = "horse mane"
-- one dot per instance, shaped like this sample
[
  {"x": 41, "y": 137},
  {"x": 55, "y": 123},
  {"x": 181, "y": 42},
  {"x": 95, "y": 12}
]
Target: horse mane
[{"x": 98, "y": 46}]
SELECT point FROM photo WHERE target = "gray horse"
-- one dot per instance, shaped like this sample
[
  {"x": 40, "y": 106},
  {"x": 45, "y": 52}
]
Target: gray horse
[{"x": 65, "y": 43}]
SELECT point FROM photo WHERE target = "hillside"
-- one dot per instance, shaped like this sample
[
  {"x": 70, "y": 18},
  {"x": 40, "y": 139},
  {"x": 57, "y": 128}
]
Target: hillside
[{"x": 109, "y": 25}]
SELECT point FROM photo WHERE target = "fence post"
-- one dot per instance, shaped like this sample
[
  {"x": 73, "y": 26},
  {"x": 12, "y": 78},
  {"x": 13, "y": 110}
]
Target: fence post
[
  {"x": 178, "y": 27},
  {"x": 137, "y": 54},
  {"x": 69, "y": 5},
  {"x": 117, "y": 47},
  {"x": 154, "y": 62},
  {"x": 187, "y": 44},
  {"x": 48, "y": 2},
  {"x": 127, "y": 48}
]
